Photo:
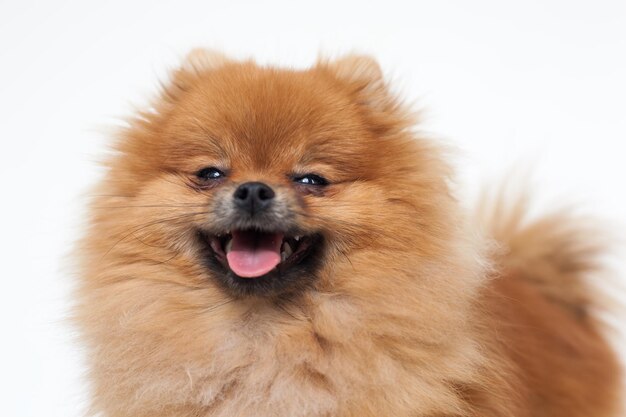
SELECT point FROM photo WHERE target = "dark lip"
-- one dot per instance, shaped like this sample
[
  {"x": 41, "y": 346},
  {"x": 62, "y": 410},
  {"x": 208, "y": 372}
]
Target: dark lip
[
  {"x": 301, "y": 247},
  {"x": 290, "y": 277}
]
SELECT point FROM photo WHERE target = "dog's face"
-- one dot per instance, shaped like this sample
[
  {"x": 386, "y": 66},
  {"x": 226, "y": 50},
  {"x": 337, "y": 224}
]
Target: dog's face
[
  {"x": 266, "y": 241},
  {"x": 266, "y": 179}
]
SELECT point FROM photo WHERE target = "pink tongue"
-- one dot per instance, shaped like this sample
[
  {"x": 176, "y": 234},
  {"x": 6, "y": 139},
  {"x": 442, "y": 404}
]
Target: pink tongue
[{"x": 254, "y": 254}]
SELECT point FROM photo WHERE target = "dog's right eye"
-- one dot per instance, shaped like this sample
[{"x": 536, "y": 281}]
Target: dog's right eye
[
  {"x": 311, "y": 179},
  {"x": 209, "y": 174}
]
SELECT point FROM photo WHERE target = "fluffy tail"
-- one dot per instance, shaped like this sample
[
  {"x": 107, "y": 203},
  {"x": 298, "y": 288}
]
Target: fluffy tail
[{"x": 560, "y": 253}]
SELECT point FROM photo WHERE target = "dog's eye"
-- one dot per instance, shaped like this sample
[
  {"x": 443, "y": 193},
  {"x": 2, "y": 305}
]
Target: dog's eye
[
  {"x": 210, "y": 173},
  {"x": 311, "y": 179}
]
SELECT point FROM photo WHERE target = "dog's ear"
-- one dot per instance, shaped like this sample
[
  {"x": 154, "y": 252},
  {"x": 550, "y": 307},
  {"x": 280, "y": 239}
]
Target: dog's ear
[
  {"x": 364, "y": 74},
  {"x": 357, "y": 68},
  {"x": 196, "y": 63},
  {"x": 200, "y": 60}
]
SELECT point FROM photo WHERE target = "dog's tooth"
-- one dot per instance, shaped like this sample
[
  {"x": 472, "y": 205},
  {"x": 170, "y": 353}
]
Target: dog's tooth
[
  {"x": 286, "y": 251},
  {"x": 297, "y": 238},
  {"x": 229, "y": 245}
]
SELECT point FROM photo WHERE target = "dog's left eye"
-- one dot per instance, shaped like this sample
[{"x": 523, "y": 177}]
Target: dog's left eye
[
  {"x": 311, "y": 179},
  {"x": 210, "y": 173}
]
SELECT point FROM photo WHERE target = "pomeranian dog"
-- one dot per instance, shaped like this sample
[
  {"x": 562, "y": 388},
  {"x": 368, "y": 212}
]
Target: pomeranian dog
[{"x": 277, "y": 242}]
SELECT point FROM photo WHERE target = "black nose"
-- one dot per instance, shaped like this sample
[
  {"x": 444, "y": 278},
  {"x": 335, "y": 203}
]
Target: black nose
[{"x": 253, "y": 197}]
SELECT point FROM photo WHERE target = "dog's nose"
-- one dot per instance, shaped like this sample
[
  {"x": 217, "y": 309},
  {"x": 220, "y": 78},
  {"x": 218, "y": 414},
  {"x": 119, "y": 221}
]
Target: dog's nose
[{"x": 253, "y": 197}]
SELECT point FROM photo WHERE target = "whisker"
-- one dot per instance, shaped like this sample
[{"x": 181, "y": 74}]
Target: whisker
[
  {"x": 216, "y": 306},
  {"x": 183, "y": 180},
  {"x": 190, "y": 205},
  {"x": 358, "y": 227},
  {"x": 147, "y": 244},
  {"x": 342, "y": 205},
  {"x": 167, "y": 260},
  {"x": 152, "y": 223},
  {"x": 345, "y": 255},
  {"x": 110, "y": 195},
  {"x": 285, "y": 309}
]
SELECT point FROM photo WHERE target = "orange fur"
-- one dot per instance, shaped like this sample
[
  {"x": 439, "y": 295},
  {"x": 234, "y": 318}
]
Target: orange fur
[{"x": 410, "y": 315}]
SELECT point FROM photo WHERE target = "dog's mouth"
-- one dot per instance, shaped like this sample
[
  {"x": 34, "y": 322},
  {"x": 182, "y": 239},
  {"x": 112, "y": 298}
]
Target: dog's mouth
[{"x": 253, "y": 254}]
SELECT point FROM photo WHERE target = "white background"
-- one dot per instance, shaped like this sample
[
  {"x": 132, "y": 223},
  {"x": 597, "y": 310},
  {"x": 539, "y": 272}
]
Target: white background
[{"x": 537, "y": 84}]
